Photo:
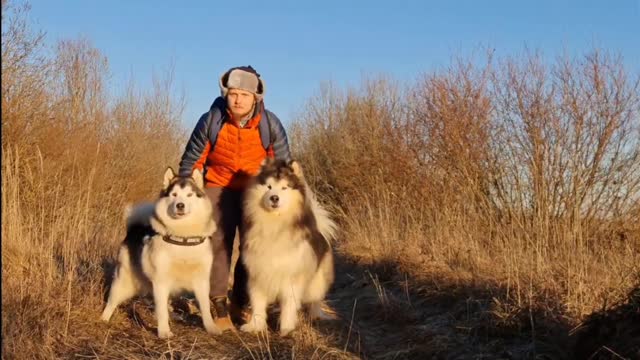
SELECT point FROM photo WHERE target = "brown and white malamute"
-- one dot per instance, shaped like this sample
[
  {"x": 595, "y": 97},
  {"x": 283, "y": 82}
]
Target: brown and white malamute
[{"x": 287, "y": 246}]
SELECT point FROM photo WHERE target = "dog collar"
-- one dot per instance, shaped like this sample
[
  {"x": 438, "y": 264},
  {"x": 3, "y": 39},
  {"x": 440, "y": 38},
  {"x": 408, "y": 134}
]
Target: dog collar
[{"x": 185, "y": 241}]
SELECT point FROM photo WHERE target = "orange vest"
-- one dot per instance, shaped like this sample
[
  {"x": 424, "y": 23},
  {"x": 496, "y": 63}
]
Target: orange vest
[{"x": 236, "y": 157}]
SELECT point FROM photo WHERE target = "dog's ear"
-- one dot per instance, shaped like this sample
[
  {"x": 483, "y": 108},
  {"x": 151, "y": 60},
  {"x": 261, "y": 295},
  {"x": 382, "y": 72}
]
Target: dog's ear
[
  {"x": 268, "y": 161},
  {"x": 296, "y": 168},
  {"x": 198, "y": 178},
  {"x": 169, "y": 174}
]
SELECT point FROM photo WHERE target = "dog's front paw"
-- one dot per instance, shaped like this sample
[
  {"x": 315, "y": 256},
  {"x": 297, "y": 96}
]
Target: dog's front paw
[
  {"x": 107, "y": 313},
  {"x": 212, "y": 329},
  {"x": 286, "y": 331},
  {"x": 165, "y": 333},
  {"x": 254, "y": 326}
]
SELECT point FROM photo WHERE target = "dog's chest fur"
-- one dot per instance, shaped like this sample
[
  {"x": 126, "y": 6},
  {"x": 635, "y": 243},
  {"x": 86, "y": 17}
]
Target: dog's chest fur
[
  {"x": 282, "y": 249},
  {"x": 176, "y": 264}
]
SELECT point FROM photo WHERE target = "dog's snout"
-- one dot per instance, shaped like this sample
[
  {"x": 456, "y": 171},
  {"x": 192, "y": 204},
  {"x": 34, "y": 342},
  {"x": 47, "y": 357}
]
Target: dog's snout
[
  {"x": 274, "y": 198},
  {"x": 180, "y": 206}
]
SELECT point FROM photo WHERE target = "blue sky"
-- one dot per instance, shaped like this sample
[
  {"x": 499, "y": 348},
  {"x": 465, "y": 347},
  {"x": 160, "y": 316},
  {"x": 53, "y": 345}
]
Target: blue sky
[{"x": 296, "y": 45}]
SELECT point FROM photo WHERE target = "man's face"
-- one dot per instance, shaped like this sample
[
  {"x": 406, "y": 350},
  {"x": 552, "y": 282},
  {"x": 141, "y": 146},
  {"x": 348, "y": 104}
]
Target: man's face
[{"x": 240, "y": 102}]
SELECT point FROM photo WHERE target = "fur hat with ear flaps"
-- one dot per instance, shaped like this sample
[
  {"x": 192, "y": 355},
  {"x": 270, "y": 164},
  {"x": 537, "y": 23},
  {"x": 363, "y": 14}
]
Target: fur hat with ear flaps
[{"x": 243, "y": 78}]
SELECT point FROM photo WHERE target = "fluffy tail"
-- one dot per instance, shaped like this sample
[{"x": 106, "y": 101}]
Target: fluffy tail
[{"x": 327, "y": 227}]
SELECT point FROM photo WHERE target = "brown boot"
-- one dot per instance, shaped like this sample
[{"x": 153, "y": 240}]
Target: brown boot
[{"x": 222, "y": 319}]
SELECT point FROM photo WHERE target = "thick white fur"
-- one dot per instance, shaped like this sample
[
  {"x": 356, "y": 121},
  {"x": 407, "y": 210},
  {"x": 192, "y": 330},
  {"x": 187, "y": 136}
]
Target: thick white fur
[
  {"x": 281, "y": 263},
  {"x": 164, "y": 268}
]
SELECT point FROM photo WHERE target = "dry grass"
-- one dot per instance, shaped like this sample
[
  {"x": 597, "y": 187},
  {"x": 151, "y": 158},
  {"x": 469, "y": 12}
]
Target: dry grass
[
  {"x": 523, "y": 175},
  {"x": 483, "y": 208}
]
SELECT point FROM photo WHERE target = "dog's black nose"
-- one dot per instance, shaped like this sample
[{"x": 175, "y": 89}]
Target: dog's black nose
[
  {"x": 274, "y": 198},
  {"x": 180, "y": 206}
]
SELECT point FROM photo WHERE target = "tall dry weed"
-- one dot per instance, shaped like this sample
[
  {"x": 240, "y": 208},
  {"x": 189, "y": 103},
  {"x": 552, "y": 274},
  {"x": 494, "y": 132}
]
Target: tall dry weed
[
  {"x": 522, "y": 171},
  {"x": 72, "y": 155}
]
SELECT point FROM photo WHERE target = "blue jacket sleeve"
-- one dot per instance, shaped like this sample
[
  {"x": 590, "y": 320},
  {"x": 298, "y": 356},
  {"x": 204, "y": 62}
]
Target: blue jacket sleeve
[
  {"x": 280, "y": 142},
  {"x": 195, "y": 146},
  {"x": 206, "y": 128}
]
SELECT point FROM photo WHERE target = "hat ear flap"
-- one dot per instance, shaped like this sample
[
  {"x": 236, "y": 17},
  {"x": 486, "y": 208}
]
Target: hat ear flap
[
  {"x": 222, "y": 83},
  {"x": 261, "y": 89}
]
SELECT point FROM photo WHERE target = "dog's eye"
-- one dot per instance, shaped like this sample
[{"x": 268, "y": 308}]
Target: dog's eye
[
  {"x": 284, "y": 188},
  {"x": 189, "y": 194},
  {"x": 269, "y": 187},
  {"x": 174, "y": 194}
]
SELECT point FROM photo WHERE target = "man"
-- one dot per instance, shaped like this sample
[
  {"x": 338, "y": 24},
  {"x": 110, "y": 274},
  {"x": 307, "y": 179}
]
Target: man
[{"x": 229, "y": 143}]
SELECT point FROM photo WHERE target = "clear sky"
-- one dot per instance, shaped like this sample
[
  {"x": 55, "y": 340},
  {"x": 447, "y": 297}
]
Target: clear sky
[{"x": 296, "y": 45}]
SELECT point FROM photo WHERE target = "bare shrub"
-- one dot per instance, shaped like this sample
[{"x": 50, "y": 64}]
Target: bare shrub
[
  {"x": 519, "y": 169},
  {"x": 25, "y": 74}
]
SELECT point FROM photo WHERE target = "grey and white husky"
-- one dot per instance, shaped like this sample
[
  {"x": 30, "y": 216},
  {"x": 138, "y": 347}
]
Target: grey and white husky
[{"x": 167, "y": 249}]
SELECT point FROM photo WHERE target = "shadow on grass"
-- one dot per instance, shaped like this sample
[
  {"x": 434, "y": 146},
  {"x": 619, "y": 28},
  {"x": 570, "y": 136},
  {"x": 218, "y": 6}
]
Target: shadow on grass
[
  {"x": 612, "y": 333},
  {"x": 387, "y": 314}
]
